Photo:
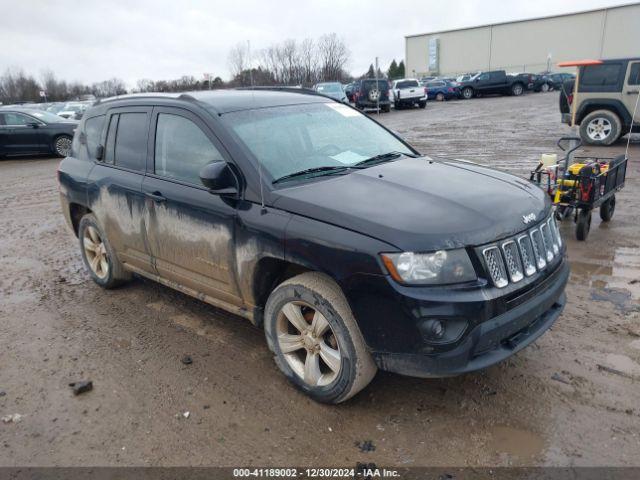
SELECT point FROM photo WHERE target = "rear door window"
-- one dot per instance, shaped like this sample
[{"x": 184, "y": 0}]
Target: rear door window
[
  {"x": 18, "y": 119},
  {"x": 131, "y": 141},
  {"x": 182, "y": 149}
]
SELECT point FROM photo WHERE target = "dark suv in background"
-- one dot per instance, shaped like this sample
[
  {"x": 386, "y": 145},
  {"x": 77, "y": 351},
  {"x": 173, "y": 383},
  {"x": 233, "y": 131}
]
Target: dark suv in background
[
  {"x": 372, "y": 93},
  {"x": 352, "y": 251}
]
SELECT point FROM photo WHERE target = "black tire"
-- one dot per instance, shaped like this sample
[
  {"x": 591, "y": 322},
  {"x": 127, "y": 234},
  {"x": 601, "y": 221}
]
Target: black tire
[
  {"x": 545, "y": 87},
  {"x": 467, "y": 93},
  {"x": 583, "y": 224},
  {"x": 517, "y": 89},
  {"x": 440, "y": 97},
  {"x": 600, "y": 127},
  {"x": 386, "y": 108},
  {"x": 422, "y": 104},
  {"x": 320, "y": 293},
  {"x": 116, "y": 275},
  {"x": 61, "y": 145},
  {"x": 608, "y": 208}
]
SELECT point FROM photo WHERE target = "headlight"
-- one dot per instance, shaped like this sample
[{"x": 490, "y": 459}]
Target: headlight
[{"x": 441, "y": 267}]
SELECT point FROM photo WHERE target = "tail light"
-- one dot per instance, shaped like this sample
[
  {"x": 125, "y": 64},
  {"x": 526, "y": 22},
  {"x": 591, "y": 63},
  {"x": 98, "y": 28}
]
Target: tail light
[
  {"x": 570, "y": 98},
  {"x": 425, "y": 90}
]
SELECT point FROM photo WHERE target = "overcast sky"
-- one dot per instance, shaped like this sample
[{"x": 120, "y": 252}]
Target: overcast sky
[{"x": 91, "y": 40}]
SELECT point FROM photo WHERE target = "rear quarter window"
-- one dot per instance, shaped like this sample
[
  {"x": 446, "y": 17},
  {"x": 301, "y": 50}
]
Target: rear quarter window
[
  {"x": 93, "y": 134},
  {"x": 601, "y": 78}
]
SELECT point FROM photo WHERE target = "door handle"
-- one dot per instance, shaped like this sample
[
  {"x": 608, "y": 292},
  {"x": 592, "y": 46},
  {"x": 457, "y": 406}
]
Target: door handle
[
  {"x": 632, "y": 92},
  {"x": 156, "y": 197}
]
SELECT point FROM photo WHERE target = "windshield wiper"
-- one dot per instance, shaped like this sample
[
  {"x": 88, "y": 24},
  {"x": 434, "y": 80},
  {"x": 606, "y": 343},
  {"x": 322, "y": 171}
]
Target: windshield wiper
[
  {"x": 384, "y": 157},
  {"x": 326, "y": 170}
]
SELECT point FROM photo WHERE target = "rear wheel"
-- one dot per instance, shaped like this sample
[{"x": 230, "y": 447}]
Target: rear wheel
[
  {"x": 607, "y": 208},
  {"x": 316, "y": 341},
  {"x": 440, "y": 97},
  {"x": 422, "y": 104},
  {"x": 467, "y": 93},
  {"x": 601, "y": 127},
  {"x": 583, "y": 224},
  {"x": 98, "y": 256},
  {"x": 517, "y": 89},
  {"x": 544, "y": 87}
]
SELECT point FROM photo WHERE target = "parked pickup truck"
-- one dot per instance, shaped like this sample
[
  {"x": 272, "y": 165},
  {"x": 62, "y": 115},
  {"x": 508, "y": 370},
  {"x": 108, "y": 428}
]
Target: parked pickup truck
[
  {"x": 497, "y": 81},
  {"x": 408, "y": 92}
]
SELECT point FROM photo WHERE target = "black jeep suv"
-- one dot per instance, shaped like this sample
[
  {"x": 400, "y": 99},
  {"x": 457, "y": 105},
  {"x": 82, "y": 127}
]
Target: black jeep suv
[{"x": 352, "y": 251}]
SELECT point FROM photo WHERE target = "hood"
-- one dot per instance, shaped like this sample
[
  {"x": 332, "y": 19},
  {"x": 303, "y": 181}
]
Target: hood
[{"x": 418, "y": 204}]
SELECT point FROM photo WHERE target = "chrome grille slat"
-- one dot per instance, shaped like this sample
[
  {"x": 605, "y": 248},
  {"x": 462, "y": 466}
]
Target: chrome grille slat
[
  {"x": 547, "y": 241},
  {"x": 538, "y": 248},
  {"x": 526, "y": 252},
  {"x": 553, "y": 236},
  {"x": 496, "y": 268},
  {"x": 512, "y": 261}
]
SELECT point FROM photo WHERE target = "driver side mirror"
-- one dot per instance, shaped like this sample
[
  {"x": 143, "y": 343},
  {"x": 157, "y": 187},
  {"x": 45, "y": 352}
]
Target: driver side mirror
[
  {"x": 219, "y": 178},
  {"x": 33, "y": 124}
]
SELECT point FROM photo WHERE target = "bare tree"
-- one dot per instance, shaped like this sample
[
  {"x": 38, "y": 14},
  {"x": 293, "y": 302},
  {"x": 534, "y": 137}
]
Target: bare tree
[
  {"x": 334, "y": 55},
  {"x": 238, "y": 59}
]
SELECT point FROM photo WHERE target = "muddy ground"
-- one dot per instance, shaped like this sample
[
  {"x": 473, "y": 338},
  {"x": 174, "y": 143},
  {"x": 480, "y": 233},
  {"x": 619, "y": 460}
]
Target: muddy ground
[{"x": 570, "y": 399}]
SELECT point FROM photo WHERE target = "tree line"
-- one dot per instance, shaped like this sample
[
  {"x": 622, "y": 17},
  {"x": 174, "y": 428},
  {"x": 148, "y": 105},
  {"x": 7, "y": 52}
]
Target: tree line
[{"x": 300, "y": 63}]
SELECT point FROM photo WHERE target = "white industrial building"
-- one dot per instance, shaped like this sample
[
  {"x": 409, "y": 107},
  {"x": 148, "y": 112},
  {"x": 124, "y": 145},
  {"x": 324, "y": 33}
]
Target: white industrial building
[{"x": 527, "y": 45}]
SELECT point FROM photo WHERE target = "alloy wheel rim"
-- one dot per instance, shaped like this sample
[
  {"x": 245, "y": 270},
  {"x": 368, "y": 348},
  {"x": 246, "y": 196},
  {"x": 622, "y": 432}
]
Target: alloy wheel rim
[
  {"x": 96, "y": 252},
  {"x": 599, "y": 128},
  {"x": 308, "y": 344},
  {"x": 63, "y": 146}
]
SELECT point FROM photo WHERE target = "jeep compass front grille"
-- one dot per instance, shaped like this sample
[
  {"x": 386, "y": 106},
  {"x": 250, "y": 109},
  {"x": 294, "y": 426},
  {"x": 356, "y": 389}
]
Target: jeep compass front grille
[{"x": 514, "y": 258}]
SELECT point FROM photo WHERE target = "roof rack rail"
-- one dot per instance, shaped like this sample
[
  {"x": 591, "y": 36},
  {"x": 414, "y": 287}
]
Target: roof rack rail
[{"x": 304, "y": 90}]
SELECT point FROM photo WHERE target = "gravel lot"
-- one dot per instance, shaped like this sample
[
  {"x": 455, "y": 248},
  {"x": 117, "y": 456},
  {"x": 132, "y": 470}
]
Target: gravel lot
[{"x": 570, "y": 399}]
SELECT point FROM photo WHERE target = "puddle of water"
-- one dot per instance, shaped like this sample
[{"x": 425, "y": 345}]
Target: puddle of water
[
  {"x": 617, "y": 276},
  {"x": 515, "y": 442}
]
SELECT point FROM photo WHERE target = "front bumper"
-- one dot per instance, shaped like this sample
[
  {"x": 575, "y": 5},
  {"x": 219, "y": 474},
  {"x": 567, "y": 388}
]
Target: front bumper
[{"x": 497, "y": 334}]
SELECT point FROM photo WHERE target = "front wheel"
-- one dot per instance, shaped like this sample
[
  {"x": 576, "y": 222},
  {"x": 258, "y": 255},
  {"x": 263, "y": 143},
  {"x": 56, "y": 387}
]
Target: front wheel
[
  {"x": 607, "y": 208},
  {"x": 467, "y": 93},
  {"x": 316, "y": 341},
  {"x": 544, "y": 87},
  {"x": 62, "y": 145},
  {"x": 583, "y": 224}
]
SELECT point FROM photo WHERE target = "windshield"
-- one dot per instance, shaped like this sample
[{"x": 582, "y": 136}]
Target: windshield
[
  {"x": 290, "y": 139},
  {"x": 46, "y": 116},
  {"x": 329, "y": 87},
  {"x": 72, "y": 107}
]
